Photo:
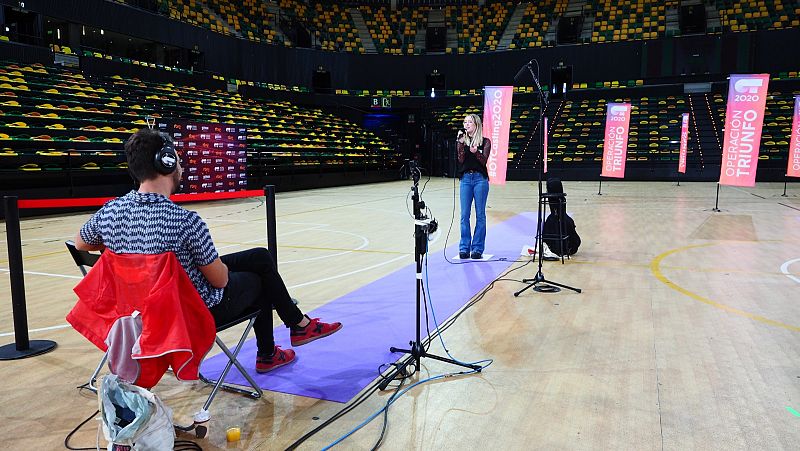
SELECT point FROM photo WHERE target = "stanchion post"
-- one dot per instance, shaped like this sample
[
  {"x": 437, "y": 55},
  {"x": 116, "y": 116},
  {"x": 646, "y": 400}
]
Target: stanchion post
[
  {"x": 599, "y": 188},
  {"x": 716, "y": 202},
  {"x": 784, "y": 187},
  {"x": 22, "y": 346},
  {"x": 272, "y": 234}
]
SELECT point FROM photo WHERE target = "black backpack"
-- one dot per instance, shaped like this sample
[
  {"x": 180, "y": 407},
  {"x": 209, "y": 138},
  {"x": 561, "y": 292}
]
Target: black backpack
[{"x": 571, "y": 241}]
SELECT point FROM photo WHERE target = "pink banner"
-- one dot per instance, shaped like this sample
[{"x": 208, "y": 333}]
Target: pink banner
[
  {"x": 747, "y": 96},
  {"x": 496, "y": 125},
  {"x": 793, "y": 168},
  {"x": 684, "y": 143},
  {"x": 545, "y": 146},
  {"x": 615, "y": 146}
]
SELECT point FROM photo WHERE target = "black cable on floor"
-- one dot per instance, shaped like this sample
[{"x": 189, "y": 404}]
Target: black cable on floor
[
  {"x": 344, "y": 411},
  {"x": 69, "y": 436},
  {"x": 386, "y": 414},
  {"x": 180, "y": 445},
  {"x": 407, "y": 361},
  {"x": 186, "y": 445}
]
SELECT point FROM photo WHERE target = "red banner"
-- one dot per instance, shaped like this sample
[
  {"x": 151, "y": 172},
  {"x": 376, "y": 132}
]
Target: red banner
[
  {"x": 684, "y": 143},
  {"x": 615, "y": 146},
  {"x": 496, "y": 125},
  {"x": 545, "y": 146},
  {"x": 793, "y": 168},
  {"x": 99, "y": 201},
  {"x": 747, "y": 96}
]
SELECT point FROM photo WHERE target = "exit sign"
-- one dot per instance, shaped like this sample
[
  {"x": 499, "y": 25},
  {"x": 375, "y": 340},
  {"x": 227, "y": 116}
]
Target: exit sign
[{"x": 381, "y": 102}]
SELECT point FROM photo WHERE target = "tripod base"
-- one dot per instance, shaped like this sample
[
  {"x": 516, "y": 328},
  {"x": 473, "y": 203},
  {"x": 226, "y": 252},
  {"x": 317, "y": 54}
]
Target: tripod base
[
  {"x": 416, "y": 353},
  {"x": 546, "y": 288},
  {"x": 542, "y": 285}
]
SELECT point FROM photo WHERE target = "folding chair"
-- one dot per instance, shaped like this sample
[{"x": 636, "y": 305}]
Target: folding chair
[{"x": 85, "y": 260}]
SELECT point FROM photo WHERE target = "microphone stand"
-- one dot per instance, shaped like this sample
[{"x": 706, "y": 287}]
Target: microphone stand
[
  {"x": 423, "y": 226},
  {"x": 539, "y": 282}
]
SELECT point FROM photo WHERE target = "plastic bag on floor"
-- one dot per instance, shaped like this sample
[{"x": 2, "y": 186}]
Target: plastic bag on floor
[{"x": 134, "y": 417}]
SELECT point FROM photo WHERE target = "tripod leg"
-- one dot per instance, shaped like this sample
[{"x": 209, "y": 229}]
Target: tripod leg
[
  {"x": 446, "y": 360},
  {"x": 578, "y": 290},
  {"x": 526, "y": 288}
]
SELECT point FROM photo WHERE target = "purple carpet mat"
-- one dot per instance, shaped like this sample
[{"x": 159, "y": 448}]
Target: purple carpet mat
[{"x": 377, "y": 316}]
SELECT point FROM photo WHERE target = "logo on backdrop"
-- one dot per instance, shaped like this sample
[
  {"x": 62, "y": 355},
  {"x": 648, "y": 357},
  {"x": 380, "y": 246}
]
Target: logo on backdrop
[
  {"x": 748, "y": 85},
  {"x": 744, "y": 117},
  {"x": 615, "y": 145},
  {"x": 496, "y": 126},
  {"x": 684, "y": 143},
  {"x": 793, "y": 168}
]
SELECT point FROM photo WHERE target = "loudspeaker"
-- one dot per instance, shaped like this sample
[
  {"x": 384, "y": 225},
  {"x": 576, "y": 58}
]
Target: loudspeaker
[
  {"x": 166, "y": 159},
  {"x": 692, "y": 19},
  {"x": 321, "y": 81},
  {"x": 569, "y": 28},
  {"x": 436, "y": 38}
]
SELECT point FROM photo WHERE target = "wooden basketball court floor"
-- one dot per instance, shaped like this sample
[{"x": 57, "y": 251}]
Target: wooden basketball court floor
[{"x": 686, "y": 335}]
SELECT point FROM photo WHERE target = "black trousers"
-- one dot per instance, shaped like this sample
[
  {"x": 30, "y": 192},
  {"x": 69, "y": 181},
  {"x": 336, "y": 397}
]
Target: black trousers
[{"x": 253, "y": 280}]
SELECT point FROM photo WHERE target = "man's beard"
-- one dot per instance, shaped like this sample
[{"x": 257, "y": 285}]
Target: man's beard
[{"x": 176, "y": 182}]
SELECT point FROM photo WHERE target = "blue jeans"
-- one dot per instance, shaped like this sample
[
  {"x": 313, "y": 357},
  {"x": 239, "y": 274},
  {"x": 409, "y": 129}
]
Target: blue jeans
[{"x": 473, "y": 186}]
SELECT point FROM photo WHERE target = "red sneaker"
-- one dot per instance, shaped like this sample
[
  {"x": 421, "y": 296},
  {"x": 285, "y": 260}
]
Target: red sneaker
[
  {"x": 278, "y": 359},
  {"x": 314, "y": 330}
]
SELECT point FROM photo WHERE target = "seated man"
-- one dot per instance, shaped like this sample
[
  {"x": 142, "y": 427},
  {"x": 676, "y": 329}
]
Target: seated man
[{"x": 146, "y": 221}]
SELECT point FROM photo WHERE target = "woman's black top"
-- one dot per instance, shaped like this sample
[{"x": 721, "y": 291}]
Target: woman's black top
[{"x": 469, "y": 162}]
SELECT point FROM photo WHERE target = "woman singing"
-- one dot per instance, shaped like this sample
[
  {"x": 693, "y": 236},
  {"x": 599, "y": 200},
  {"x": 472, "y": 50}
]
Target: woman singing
[{"x": 473, "y": 152}]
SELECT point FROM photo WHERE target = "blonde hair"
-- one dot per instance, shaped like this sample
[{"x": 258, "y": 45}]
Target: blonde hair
[{"x": 477, "y": 139}]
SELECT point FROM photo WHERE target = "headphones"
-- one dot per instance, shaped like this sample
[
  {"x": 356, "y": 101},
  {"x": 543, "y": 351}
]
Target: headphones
[{"x": 166, "y": 159}]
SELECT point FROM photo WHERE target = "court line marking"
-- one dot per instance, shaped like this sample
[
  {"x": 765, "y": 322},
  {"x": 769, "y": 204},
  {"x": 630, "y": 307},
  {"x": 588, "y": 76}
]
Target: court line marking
[
  {"x": 363, "y": 251},
  {"x": 676, "y": 268},
  {"x": 64, "y": 238},
  {"x": 364, "y": 243},
  {"x": 655, "y": 268},
  {"x": 339, "y": 276},
  {"x": 42, "y": 329},
  {"x": 34, "y": 273},
  {"x": 785, "y": 269},
  {"x": 305, "y": 284}
]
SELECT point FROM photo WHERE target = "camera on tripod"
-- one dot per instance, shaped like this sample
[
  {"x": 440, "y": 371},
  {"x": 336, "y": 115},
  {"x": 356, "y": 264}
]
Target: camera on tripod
[{"x": 427, "y": 226}]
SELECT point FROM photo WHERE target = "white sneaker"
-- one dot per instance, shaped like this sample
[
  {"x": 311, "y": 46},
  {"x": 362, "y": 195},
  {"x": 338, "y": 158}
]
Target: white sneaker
[{"x": 548, "y": 254}]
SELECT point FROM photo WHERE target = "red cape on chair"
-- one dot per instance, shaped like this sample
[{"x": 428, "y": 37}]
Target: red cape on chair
[{"x": 177, "y": 328}]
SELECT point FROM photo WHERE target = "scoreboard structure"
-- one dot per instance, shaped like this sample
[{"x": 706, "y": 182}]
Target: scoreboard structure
[{"x": 213, "y": 156}]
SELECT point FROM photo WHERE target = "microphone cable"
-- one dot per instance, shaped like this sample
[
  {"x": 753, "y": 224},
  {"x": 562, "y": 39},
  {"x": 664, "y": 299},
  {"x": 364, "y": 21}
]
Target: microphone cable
[
  {"x": 447, "y": 238},
  {"x": 399, "y": 391}
]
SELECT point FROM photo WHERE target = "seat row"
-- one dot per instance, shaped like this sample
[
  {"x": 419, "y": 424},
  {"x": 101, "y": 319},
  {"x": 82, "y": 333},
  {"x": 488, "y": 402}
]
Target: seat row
[{"x": 54, "y": 119}]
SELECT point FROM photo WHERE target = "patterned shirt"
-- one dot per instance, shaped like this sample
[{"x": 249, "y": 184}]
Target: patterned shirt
[{"x": 149, "y": 223}]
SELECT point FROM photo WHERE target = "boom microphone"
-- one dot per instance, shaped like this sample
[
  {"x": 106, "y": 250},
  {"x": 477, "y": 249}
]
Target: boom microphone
[{"x": 522, "y": 70}]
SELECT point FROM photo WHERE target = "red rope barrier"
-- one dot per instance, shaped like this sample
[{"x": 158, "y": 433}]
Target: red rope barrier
[{"x": 98, "y": 201}]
